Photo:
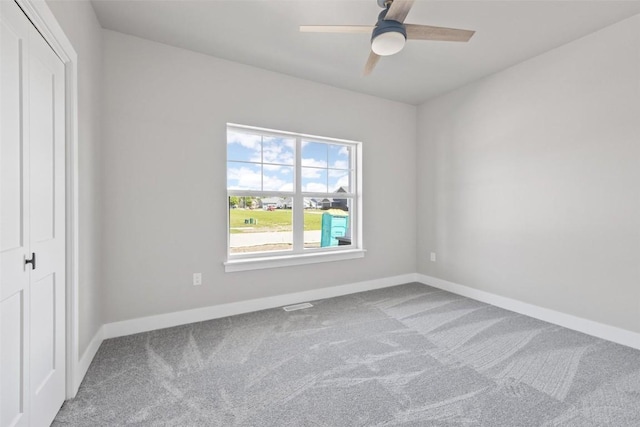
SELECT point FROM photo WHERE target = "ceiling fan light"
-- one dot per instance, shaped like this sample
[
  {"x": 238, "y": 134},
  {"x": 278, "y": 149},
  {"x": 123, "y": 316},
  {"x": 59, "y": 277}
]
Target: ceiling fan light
[
  {"x": 388, "y": 36},
  {"x": 388, "y": 43}
]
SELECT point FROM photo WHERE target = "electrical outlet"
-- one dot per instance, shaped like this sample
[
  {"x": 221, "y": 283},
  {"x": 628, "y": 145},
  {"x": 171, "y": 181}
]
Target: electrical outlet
[
  {"x": 197, "y": 279},
  {"x": 433, "y": 257}
]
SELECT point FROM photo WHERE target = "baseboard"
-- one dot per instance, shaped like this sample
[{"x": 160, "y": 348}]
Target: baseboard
[
  {"x": 87, "y": 358},
  {"x": 589, "y": 327},
  {"x": 144, "y": 324}
]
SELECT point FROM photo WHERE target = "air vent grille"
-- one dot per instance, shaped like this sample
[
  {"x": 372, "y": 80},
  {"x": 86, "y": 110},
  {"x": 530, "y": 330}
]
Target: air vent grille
[{"x": 297, "y": 306}]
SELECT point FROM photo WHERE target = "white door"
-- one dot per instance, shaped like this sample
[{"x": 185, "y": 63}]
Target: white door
[{"x": 32, "y": 232}]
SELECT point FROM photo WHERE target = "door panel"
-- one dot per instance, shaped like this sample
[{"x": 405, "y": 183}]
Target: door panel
[
  {"x": 14, "y": 234},
  {"x": 14, "y": 210},
  {"x": 10, "y": 169},
  {"x": 47, "y": 199},
  {"x": 43, "y": 308},
  {"x": 11, "y": 360},
  {"x": 41, "y": 117}
]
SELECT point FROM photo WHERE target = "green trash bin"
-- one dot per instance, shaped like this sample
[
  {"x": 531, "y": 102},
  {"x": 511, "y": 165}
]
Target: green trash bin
[{"x": 334, "y": 225}]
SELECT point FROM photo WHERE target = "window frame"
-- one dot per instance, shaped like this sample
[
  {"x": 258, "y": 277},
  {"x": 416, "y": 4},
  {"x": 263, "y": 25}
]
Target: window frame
[{"x": 298, "y": 254}]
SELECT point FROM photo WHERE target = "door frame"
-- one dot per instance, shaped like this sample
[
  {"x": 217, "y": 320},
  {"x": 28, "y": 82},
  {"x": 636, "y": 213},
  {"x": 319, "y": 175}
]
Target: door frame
[{"x": 45, "y": 22}]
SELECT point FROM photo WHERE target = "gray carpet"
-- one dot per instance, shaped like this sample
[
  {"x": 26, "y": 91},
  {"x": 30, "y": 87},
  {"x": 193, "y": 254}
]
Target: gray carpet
[{"x": 410, "y": 355}]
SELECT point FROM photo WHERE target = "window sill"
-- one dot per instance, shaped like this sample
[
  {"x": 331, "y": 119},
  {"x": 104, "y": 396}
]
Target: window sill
[{"x": 290, "y": 260}]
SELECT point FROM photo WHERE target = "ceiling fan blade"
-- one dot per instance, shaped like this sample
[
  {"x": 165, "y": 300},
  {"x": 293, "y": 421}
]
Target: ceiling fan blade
[
  {"x": 371, "y": 63},
  {"x": 349, "y": 29},
  {"x": 426, "y": 32},
  {"x": 399, "y": 10}
]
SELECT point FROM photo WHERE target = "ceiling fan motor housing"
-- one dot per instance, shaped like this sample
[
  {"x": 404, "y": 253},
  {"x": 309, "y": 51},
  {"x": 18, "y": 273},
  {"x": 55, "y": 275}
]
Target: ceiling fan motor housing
[
  {"x": 393, "y": 35},
  {"x": 387, "y": 27}
]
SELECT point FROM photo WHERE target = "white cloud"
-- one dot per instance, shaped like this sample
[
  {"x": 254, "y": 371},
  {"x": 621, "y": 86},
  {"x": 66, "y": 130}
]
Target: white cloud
[
  {"x": 269, "y": 150},
  {"x": 272, "y": 168},
  {"x": 280, "y": 151},
  {"x": 312, "y": 173},
  {"x": 276, "y": 150},
  {"x": 273, "y": 183},
  {"x": 337, "y": 173},
  {"x": 314, "y": 187},
  {"x": 249, "y": 141},
  {"x": 247, "y": 178},
  {"x": 314, "y": 163},
  {"x": 340, "y": 164},
  {"x": 251, "y": 179},
  {"x": 342, "y": 182}
]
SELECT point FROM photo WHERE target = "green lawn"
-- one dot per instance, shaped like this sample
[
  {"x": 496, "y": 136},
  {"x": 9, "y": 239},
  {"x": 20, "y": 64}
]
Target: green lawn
[{"x": 277, "y": 220}]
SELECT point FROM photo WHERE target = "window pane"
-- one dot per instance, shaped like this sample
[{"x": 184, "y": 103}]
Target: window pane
[
  {"x": 278, "y": 150},
  {"x": 244, "y": 176},
  {"x": 314, "y": 180},
  {"x": 339, "y": 181},
  {"x": 264, "y": 164},
  {"x": 260, "y": 224},
  {"x": 327, "y": 222},
  {"x": 277, "y": 178},
  {"x": 339, "y": 156},
  {"x": 244, "y": 147},
  {"x": 312, "y": 222},
  {"x": 314, "y": 154}
]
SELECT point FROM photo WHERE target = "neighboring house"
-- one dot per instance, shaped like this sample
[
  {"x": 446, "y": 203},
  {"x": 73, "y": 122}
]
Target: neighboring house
[
  {"x": 340, "y": 203},
  {"x": 327, "y": 203},
  {"x": 312, "y": 204},
  {"x": 275, "y": 202}
]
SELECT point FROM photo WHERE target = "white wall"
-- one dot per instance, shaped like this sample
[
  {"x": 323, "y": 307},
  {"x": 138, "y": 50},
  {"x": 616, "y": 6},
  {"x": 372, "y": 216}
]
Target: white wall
[
  {"x": 165, "y": 116},
  {"x": 529, "y": 180},
  {"x": 81, "y": 26}
]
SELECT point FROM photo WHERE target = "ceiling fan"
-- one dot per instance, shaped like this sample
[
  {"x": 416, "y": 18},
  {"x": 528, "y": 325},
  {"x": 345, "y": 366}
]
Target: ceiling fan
[{"x": 390, "y": 33}]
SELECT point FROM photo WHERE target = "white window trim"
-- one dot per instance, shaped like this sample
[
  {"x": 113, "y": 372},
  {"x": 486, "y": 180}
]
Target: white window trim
[
  {"x": 300, "y": 255},
  {"x": 258, "y": 263}
]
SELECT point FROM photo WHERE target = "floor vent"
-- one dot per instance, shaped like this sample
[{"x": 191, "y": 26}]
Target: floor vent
[{"x": 297, "y": 306}]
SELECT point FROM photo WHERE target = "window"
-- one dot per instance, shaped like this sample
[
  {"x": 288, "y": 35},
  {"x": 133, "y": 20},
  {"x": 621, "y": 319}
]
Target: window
[{"x": 292, "y": 198}]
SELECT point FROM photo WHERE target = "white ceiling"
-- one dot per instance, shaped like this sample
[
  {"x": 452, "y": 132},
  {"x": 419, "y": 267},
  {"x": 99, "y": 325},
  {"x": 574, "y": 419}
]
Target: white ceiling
[{"x": 264, "y": 33}]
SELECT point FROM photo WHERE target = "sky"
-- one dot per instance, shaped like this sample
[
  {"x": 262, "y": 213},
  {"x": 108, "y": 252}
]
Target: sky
[{"x": 325, "y": 167}]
